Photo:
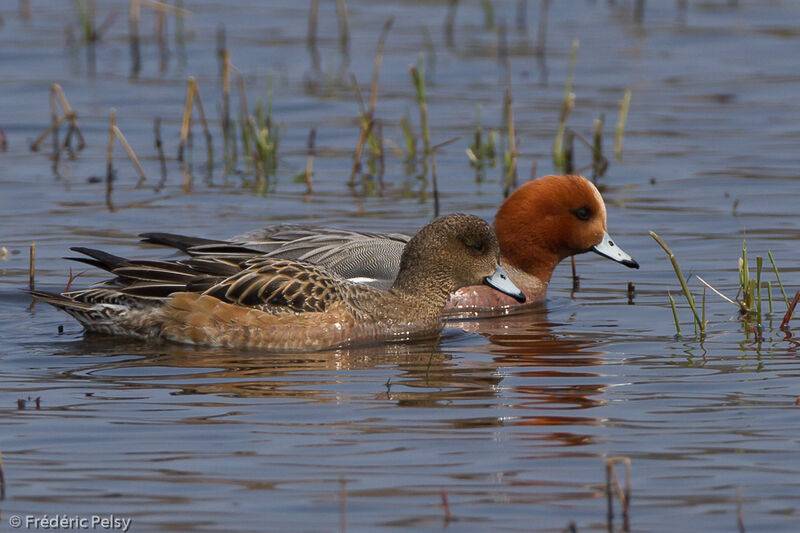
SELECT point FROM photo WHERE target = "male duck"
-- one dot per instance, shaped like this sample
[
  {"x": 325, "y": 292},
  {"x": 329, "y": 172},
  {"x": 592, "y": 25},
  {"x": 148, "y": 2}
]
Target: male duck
[
  {"x": 543, "y": 222},
  {"x": 247, "y": 300}
]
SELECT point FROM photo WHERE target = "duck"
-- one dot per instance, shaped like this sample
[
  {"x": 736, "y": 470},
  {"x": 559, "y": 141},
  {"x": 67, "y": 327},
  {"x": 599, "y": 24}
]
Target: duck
[
  {"x": 246, "y": 300},
  {"x": 539, "y": 225}
]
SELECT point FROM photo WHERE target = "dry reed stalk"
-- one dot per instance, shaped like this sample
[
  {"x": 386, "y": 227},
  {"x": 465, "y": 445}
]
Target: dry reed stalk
[
  {"x": 312, "y": 135},
  {"x": 599, "y": 163},
  {"x": 222, "y": 47},
  {"x": 446, "y": 506},
  {"x": 160, "y": 149},
  {"x": 53, "y": 126},
  {"x": 566, "y": 106},
  {"x": 134, "y": 13},
  {"x": 32, "y": 267},
  {"x": 57, "y": 96},
  {"x": 367, "y": 116},
  {"x": 449, "y": 23},
  {"x": 790, "y": 311},
  {"x": 381, "y": 159},
  {"x": 576, "y": 279},
  {"x": 206, "y": 131},
  {"x": 344, "y": 29},
  {"x": 161, "y": 40},
  {"x": 541, "y": 34},
  {"x": 510, "y": 159},
  {"x": 569, "y": 152},
  {"x": 362, "y": 138},
  {"x": 434, "y": 180},
  {"x": 418, "y": 78},
  {"x": 3, "y": 475},
  {"x": 110, "y": 152},
  {"x": 313, "y": 19},
  {"x": 186, "y": 123},
  {"x": 624, "y": 495},
  {"x": 376, "y": 69},
  {"x": 69, "y": 113},
  {"x": 3, "y": 140},
  {"x": 623, "y": 118},
  {"x": 226, "y": 103},
  {"x": 131, "y": 154},
  {"x": 311, "y": 39},
  {"x": 434, "y": 185},
  {"x": 186, "y": 182},
  {"x": 759, "y": 266},
  {"x": 707, "y": 284}
]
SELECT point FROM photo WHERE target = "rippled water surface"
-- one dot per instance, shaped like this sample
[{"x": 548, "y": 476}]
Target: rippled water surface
[{"x": 511, "y": 419}]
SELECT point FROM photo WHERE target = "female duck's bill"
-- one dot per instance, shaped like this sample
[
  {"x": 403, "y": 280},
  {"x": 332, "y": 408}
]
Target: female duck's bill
[{"x": 499, "y": 280}]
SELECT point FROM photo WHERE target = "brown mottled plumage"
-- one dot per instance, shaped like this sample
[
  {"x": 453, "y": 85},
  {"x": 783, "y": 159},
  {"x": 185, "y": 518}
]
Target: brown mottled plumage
[{"x": 239, "y": 299}]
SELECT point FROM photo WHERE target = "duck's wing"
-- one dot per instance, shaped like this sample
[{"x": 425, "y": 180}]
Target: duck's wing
[
  {"x": 283, "y": 285},
  {"x": 270, "y": 284},
  {"x": 364, "y": 257},
  {"x": 358, "y": 256}
]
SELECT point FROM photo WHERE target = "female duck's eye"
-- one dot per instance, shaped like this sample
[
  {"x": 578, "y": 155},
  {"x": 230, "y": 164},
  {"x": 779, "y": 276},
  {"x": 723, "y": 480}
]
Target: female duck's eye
[
  {"x": 475, "y": 246},
  {"x": 582, "y": 213}
]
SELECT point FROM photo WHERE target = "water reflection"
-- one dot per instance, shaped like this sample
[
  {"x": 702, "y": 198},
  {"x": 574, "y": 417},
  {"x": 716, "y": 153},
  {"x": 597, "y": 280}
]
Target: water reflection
[{"x": 535, "y": 376}]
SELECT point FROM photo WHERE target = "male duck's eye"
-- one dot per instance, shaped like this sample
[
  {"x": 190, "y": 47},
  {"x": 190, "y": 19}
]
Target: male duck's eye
[
  {"x": 475, "y": 246},
  {"x": 582, "y": 213}
]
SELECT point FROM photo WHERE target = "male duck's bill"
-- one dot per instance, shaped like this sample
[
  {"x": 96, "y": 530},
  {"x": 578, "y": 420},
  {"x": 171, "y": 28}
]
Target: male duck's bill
[
  {"x": 607, "y": 248},
  {"x": 499, "y": 280}
]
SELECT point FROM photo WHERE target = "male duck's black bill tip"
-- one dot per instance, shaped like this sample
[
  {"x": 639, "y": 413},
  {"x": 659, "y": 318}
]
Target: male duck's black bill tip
[
  {"x": 499, "y": 280},
  {"x": 630, "y": 263}
]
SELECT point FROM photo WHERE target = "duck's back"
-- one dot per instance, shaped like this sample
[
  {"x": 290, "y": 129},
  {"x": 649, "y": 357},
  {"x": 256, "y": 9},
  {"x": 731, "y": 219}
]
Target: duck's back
[{"x": 365, "y": 257}]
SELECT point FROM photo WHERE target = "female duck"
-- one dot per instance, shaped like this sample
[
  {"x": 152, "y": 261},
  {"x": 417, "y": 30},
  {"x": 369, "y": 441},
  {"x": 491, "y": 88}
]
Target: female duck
[
  {"x": 543, "y": 222},
  {"x": 283, "y": 304}
]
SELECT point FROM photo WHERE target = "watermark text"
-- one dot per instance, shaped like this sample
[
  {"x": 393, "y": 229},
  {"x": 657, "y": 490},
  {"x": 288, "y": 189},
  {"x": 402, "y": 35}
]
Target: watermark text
[{"x": 65, "y": 522}]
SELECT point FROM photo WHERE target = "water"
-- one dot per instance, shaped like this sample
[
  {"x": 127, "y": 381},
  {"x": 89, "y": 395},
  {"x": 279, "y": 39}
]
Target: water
[{"x": 511, "y": 418}]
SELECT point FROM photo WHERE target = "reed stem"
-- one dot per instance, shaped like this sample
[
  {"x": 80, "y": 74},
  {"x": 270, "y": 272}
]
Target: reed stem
[
  {"x": 566, "y": 106},
  {"x": 623, "y": 118},
  {"x": 418, "y": 78},
  {"x": 681, "y": 279},
  {"x": 32, "y": 266},
  {"x": 778, "y": 277}
]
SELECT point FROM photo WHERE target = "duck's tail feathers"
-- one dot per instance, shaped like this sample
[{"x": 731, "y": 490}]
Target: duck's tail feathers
[
  {"x": 97, "y": 316},
  {"x": 99, "y": 259},
  {"x": 173, "y": 240},
  {"x": 60, "y": 301}
]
